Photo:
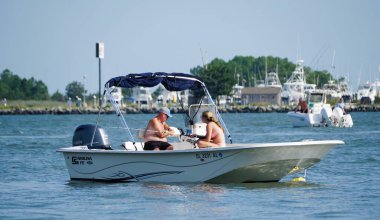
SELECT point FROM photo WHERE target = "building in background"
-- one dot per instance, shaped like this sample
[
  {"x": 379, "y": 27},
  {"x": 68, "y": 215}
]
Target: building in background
[{"x": 251, "y": 95}]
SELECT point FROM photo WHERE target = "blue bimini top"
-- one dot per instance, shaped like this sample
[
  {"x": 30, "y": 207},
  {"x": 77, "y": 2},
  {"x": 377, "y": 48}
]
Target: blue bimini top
[{"x": 171, "y": 81}]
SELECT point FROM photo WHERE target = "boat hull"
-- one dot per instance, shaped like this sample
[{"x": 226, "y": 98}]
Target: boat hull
[
  {"x": 305, "y": 119},
  {"x": 316, "y": 120},
  {"x": 235, "y": 163}
]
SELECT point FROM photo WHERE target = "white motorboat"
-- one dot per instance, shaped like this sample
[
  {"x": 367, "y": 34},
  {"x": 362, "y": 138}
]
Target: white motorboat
[
  {"x": 296, "y": 86},
  {"x": 367, "y": 92},
  {"x": 332, "y": 89},
  {"x": 345, "y": 90},
  {"x": 272, "y": 80},
  {"x": 320, "y": 114},
  {"x": 92, "y": 158}
]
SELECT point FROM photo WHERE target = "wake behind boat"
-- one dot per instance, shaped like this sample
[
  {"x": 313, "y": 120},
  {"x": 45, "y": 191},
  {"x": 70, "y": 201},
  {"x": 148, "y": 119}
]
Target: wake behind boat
[{"x": 92, "y": 158}]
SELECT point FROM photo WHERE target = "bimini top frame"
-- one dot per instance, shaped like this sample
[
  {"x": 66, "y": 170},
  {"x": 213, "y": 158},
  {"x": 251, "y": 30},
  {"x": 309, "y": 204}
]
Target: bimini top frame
[{"x": 171, "y": 81}]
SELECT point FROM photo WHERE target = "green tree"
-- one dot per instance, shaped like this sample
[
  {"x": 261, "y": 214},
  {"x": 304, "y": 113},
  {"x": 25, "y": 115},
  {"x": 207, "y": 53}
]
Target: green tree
[
  {"x": 10, "y": 85},
  {"x": 157, "y": 92},
  {"x": 318, "y": 77},
  {"x": 35, "y": 89},
  {"x": 13, "y": 87},
  {"x": 218, "y": 77},
  {"x": 57, "y": 96},
  {"x": 74, "y": 89}
]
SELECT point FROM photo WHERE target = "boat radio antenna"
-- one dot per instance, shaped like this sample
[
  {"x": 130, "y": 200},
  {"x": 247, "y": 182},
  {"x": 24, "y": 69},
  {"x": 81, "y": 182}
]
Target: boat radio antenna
[{"x": 203, "y": 60}]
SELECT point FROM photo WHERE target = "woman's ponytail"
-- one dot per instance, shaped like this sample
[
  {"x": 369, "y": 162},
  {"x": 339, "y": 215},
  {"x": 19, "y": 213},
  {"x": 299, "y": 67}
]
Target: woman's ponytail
[{"x": 208, "y": 115}]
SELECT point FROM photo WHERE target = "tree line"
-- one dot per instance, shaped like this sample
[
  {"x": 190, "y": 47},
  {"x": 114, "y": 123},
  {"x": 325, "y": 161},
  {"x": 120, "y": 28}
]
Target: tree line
[
  {"x": 219, "y": 76},
  {"x": 12, "y": 87}
]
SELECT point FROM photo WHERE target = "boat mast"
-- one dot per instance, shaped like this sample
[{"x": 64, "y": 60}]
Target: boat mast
[
  {"x": 332, "y": 66},
  {"x": 203, "y": 60},
  {"x": 277, "y": 67},
  {"x": 266, "y": 71}
]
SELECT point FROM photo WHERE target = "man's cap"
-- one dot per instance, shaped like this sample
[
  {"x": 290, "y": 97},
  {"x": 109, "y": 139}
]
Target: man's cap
[{"x": 166, "y": 111}]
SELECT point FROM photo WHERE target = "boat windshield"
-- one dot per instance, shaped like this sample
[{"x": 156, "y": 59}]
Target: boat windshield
[
  {"x": 316, "y": 97},
  {"x": 364, "y": 86},
  {"x": 196, "y": 112}
]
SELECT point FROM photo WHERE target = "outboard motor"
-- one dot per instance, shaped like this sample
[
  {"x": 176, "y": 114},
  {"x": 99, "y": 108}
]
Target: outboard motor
[
  {"x": 338, "y": 113},
  {"x": 326, "y": 113},
  {"x": 83, "y": 135}
]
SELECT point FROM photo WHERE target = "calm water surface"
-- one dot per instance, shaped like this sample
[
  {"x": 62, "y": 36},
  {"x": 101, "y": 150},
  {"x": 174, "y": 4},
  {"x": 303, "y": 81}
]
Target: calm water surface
[{"x": 34, "y": 182}]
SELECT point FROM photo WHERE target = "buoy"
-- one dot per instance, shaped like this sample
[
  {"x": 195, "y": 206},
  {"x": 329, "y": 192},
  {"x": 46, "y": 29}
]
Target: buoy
[{"x": 299, "y": 179}]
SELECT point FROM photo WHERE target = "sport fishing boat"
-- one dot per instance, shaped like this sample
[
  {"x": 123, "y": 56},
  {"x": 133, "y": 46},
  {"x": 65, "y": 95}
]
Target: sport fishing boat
[
  {"x": 320, "y": 114},
  {"x": 93, "y": 158},
  {"x": 296, "y": 86}
]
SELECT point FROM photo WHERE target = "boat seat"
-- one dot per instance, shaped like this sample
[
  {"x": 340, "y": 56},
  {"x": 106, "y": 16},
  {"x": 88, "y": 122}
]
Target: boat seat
[
  {"x": 140, "y": 136},
  {"x": 129, "y": 146},
  {"x": 139, "y": 145}
]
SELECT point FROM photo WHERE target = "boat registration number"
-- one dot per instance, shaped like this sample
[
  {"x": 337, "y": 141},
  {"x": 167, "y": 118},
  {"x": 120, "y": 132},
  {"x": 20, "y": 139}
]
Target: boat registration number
[{"x": 209, "y": 155}]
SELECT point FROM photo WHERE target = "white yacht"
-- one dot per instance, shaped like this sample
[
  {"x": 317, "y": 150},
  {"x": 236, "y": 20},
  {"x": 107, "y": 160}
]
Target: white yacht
[
  {"x": 332, "y": 89},
  {"x": 142, "y": 97},
  {"x": 272, "y": 80},
  {"x": 345, "y": 90},
  {"x": 366, "y": 93},
  {"x": 294, "y": 88}
]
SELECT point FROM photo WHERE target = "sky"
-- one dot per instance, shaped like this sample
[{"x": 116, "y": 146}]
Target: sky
[{"x": 54, "y": 41}]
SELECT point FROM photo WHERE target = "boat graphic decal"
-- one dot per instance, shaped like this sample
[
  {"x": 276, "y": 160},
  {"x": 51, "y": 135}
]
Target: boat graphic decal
[
  {"x": 124, "y": 176},
  {"x": 157, "y": 163}
]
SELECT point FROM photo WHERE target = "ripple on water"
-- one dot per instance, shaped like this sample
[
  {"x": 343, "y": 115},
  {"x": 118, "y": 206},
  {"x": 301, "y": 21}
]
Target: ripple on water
[{"x": 34, "y": 177}]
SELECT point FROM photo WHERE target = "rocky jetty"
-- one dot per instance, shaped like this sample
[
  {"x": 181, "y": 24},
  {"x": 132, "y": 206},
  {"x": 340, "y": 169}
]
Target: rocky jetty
[{"x": 130, "y": 110}]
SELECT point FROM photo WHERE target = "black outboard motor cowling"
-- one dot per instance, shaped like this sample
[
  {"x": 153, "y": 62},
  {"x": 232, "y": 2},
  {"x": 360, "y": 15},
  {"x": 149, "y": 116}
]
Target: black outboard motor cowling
[{"x": 83, "y": 135}]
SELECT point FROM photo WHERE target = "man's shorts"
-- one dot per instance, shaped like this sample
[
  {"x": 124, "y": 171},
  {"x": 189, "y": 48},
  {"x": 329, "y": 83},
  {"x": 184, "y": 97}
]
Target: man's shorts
[{"x": 150, "y": 145}]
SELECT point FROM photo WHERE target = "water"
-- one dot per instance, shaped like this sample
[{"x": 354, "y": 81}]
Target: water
[{"x": 34, "y": 183}]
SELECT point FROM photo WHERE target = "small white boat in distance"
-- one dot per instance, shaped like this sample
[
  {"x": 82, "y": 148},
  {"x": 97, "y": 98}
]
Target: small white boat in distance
[
  {"x": 92, "y": 158},
  {"x": 320, "y": 114}
]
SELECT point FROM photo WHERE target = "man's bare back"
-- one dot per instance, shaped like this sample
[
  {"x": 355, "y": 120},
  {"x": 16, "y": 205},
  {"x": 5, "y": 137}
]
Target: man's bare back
[{"x": 157, "y": 131}]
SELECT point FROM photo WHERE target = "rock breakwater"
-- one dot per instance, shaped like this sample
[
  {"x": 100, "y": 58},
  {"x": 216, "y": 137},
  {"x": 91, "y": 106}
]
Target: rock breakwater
[{"x": 130, "y": 110}]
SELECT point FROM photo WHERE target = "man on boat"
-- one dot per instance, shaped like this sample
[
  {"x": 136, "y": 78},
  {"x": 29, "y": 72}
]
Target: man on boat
[
  {"x": 157, "y": 131},
  {"x": 303, "y": 105},
  {"x": 341, "y": 105}
]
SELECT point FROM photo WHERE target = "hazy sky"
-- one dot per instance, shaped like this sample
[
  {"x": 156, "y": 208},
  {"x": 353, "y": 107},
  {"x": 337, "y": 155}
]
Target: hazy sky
[{"x": 54, "y": 40}]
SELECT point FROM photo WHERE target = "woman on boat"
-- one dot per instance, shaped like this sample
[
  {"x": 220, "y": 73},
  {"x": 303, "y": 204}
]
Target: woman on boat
[{"x": 214, "y": 132}]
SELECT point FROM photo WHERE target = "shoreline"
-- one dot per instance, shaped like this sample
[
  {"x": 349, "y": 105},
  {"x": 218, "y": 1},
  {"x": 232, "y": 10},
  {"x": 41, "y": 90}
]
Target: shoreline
[{"x": 130, "y": 110}]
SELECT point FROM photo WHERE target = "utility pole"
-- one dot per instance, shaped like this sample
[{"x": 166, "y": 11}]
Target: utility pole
[
  {"x": 100, "y": 56},
  {"x": 84, "y": 92}
]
